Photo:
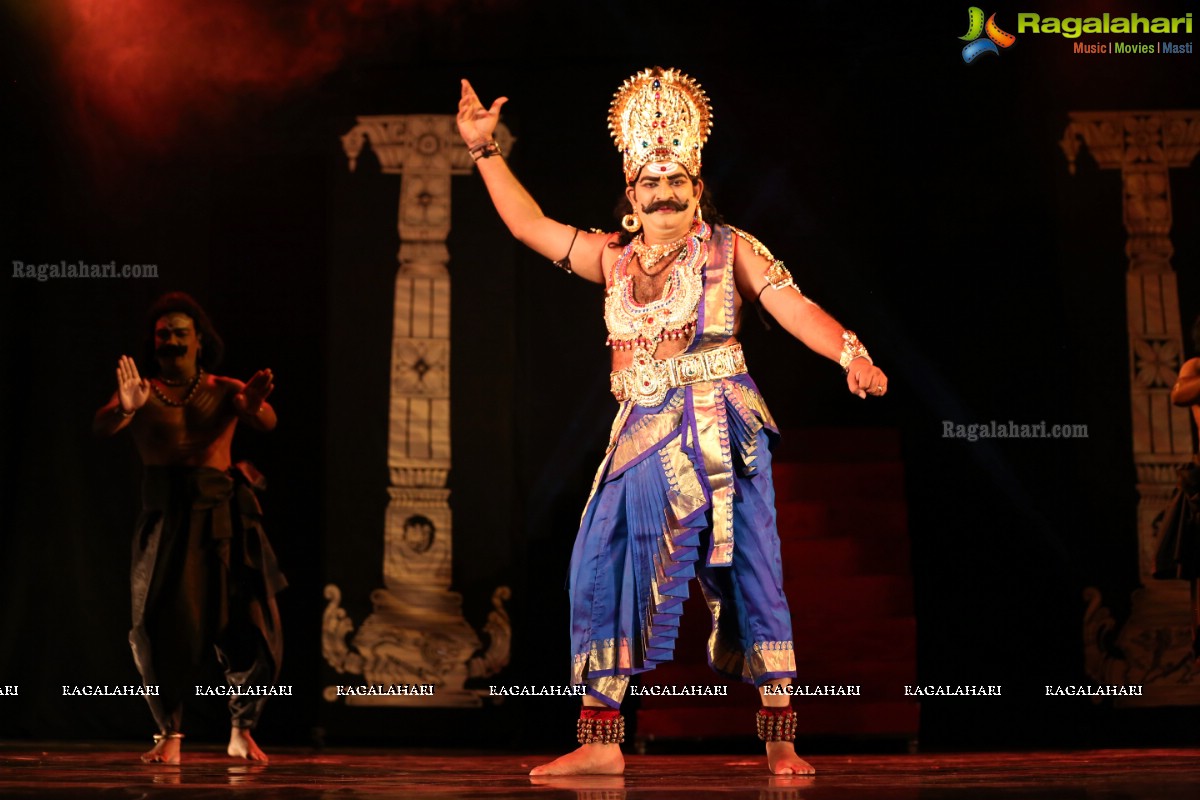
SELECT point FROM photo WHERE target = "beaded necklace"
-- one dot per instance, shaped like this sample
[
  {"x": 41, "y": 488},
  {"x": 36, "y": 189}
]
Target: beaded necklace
[
  {"x": 187, "y": 397},
  {"x": 632, "y": 325}
]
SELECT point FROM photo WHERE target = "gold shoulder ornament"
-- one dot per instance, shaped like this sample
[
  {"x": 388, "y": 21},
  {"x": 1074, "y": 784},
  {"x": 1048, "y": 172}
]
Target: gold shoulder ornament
[{"x": 777, "y": 275}]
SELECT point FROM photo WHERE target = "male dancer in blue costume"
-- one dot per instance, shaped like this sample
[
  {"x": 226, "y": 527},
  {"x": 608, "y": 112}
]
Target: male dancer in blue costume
[{"x": 692, "y": 432}]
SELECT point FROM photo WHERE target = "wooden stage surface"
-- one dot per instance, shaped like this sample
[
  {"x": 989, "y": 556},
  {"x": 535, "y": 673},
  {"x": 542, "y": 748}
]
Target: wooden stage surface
[{"x": 46, "y": 770}]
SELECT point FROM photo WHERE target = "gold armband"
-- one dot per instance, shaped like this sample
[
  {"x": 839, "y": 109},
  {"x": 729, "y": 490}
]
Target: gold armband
[
  {"x": 778, "y": 277},
  {"x": 852, "y": 348}
]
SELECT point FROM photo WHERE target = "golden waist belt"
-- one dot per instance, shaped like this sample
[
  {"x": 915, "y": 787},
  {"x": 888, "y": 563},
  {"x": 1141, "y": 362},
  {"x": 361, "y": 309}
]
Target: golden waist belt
[{"x": 647, "y": 381}]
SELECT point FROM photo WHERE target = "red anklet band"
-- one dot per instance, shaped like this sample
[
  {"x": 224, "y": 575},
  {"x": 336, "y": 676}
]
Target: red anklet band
[
  {"x": 776, "y": 724},
  {"x": 600, "y": 726}
]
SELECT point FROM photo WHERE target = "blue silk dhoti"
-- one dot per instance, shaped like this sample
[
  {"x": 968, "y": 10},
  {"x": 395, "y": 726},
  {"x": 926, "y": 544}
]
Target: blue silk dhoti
[{"x": 684, "y": 492}]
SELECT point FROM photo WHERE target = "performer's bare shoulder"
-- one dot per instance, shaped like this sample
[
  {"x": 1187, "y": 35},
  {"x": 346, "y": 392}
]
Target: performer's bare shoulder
[{"x": 1186, "y": 391}]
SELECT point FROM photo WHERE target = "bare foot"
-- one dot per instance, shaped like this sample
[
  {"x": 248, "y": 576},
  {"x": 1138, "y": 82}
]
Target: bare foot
[
  {"x": 782, "y": 760},
  {"x": 242, "y": 745},
  {"x": 589, "y": 759},
  {"x": 165, "y": 751},
  {"x": 598, "y": 785}
]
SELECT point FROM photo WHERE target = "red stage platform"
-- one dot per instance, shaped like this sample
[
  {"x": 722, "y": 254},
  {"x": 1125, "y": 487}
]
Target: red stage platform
[{"x": 78, "y": 771}]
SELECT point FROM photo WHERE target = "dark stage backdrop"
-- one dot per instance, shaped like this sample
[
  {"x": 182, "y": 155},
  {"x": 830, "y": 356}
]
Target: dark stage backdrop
[{"x": 924, "y": 202}]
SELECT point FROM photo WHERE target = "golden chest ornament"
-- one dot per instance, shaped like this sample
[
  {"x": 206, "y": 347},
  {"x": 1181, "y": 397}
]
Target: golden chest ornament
[
  {"x": 671, "y": 316},
  {"x": 640, "y": 328}
]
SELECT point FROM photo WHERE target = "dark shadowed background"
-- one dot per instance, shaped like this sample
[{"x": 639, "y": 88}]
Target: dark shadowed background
[{"x": 924, "y": 202}]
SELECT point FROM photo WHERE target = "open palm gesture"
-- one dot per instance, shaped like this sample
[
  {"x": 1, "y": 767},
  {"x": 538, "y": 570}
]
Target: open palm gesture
[
  {"x": 476, "y": 123},
  {"x": 132, "y": 389}
]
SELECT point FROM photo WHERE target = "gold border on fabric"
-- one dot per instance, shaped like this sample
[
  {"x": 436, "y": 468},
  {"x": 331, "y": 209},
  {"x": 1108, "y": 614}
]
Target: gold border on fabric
[
  {"x": 672, "y": 560},
  {"x": 761, "y": 658},
  {"x": 745, "y": 398},
  {"x": 612, "y": 687},
  {"x": 686, "y": 496},
  {"x": 719, "y": 317},
  {"x": 618, "y": 424},
  {"x": 713, "y": 432},
  {"x": 768, "y": 657},
  {"x": 603, "y": 656},
  {"x": 750, "y": 407},
  {"x": 647, "y": 432},
  {"x": 723, "y": 659},
  {"x": 712, "y": 428}
]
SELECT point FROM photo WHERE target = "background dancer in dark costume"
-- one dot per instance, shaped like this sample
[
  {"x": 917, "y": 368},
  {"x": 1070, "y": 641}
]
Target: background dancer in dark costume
[
  {"x": 1179, "y": 548},
  {"x": 204, "y": 574}
]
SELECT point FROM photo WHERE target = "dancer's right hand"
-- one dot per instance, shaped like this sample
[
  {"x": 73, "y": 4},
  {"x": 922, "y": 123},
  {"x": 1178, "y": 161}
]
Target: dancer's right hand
[
  {"x": 476, "y": 123},
  {"x": 132, "y": 389}
]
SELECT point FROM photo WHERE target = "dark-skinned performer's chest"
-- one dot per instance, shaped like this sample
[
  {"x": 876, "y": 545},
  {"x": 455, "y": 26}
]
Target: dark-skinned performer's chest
[{"x": 184, "y": 428}]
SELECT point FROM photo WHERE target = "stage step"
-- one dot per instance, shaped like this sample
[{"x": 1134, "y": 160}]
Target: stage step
[
  {"x": 857, "y": 483},
  {"x": 837, "y": 597},
  {"x": 844, "y": 555}
]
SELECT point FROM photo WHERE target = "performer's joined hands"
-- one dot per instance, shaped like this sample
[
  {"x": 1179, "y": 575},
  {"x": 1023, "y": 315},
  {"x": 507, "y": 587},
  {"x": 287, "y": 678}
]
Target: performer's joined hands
[{"x": 250, "y": 399}]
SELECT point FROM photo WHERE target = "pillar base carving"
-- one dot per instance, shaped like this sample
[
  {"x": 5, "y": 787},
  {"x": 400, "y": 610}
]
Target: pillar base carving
[
  {"x": 413, "y": 637},
  {"x": 1153, "y": 649}
]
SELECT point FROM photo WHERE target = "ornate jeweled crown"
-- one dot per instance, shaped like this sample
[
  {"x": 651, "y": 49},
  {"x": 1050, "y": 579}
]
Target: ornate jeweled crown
[{"x": 660, "y": 116}]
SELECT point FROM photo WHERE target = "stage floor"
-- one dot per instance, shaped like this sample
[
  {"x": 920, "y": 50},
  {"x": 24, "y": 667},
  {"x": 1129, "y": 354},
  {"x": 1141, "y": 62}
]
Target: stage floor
[{"x": 72, "y": 770}]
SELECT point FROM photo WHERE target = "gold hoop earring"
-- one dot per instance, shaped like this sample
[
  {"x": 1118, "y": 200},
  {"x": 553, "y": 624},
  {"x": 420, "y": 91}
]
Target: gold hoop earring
[
  {"x": 631, "y": 223},
  {"x": 699, "y": 216}
]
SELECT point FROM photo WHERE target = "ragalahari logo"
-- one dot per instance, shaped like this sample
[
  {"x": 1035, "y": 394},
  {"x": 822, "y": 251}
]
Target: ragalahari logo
[{"x": 976, "y": 27}]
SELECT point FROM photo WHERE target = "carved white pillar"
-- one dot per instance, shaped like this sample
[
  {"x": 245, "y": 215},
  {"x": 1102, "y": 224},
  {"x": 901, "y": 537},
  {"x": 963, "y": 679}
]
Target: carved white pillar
[
  {"x": 1145, "y": 146},
  {"x": 417, "y": 634}
]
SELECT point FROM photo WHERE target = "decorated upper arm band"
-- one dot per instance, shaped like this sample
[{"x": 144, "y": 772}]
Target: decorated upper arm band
[{"x": 777, "y": 275}]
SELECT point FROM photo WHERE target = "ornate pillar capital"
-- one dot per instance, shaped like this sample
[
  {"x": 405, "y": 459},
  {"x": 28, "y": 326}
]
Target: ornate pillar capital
[
  {"x": 1125, "y": 139},
  {"x": 415, "y": 143}
]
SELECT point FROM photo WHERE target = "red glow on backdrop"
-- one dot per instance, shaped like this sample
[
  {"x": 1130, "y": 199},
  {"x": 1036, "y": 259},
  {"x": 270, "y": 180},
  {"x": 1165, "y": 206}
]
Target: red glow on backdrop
[{"x": 152, "y": 67}]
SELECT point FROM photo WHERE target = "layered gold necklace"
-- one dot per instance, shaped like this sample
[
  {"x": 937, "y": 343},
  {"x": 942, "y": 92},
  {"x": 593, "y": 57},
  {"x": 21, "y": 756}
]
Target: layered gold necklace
[
  {"x": 642, "y": 326},
  {"x": 650, "y": 254}
]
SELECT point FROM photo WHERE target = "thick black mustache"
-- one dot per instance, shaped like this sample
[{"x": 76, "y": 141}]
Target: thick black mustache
[
  {"x": 674, "y": 205},
  {"x": 170, "y": 350}
]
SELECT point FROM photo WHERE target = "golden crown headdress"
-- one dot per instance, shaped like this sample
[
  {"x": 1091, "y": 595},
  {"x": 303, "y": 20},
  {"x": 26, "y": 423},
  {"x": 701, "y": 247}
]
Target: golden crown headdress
[{"x": 660, "y": 116}]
